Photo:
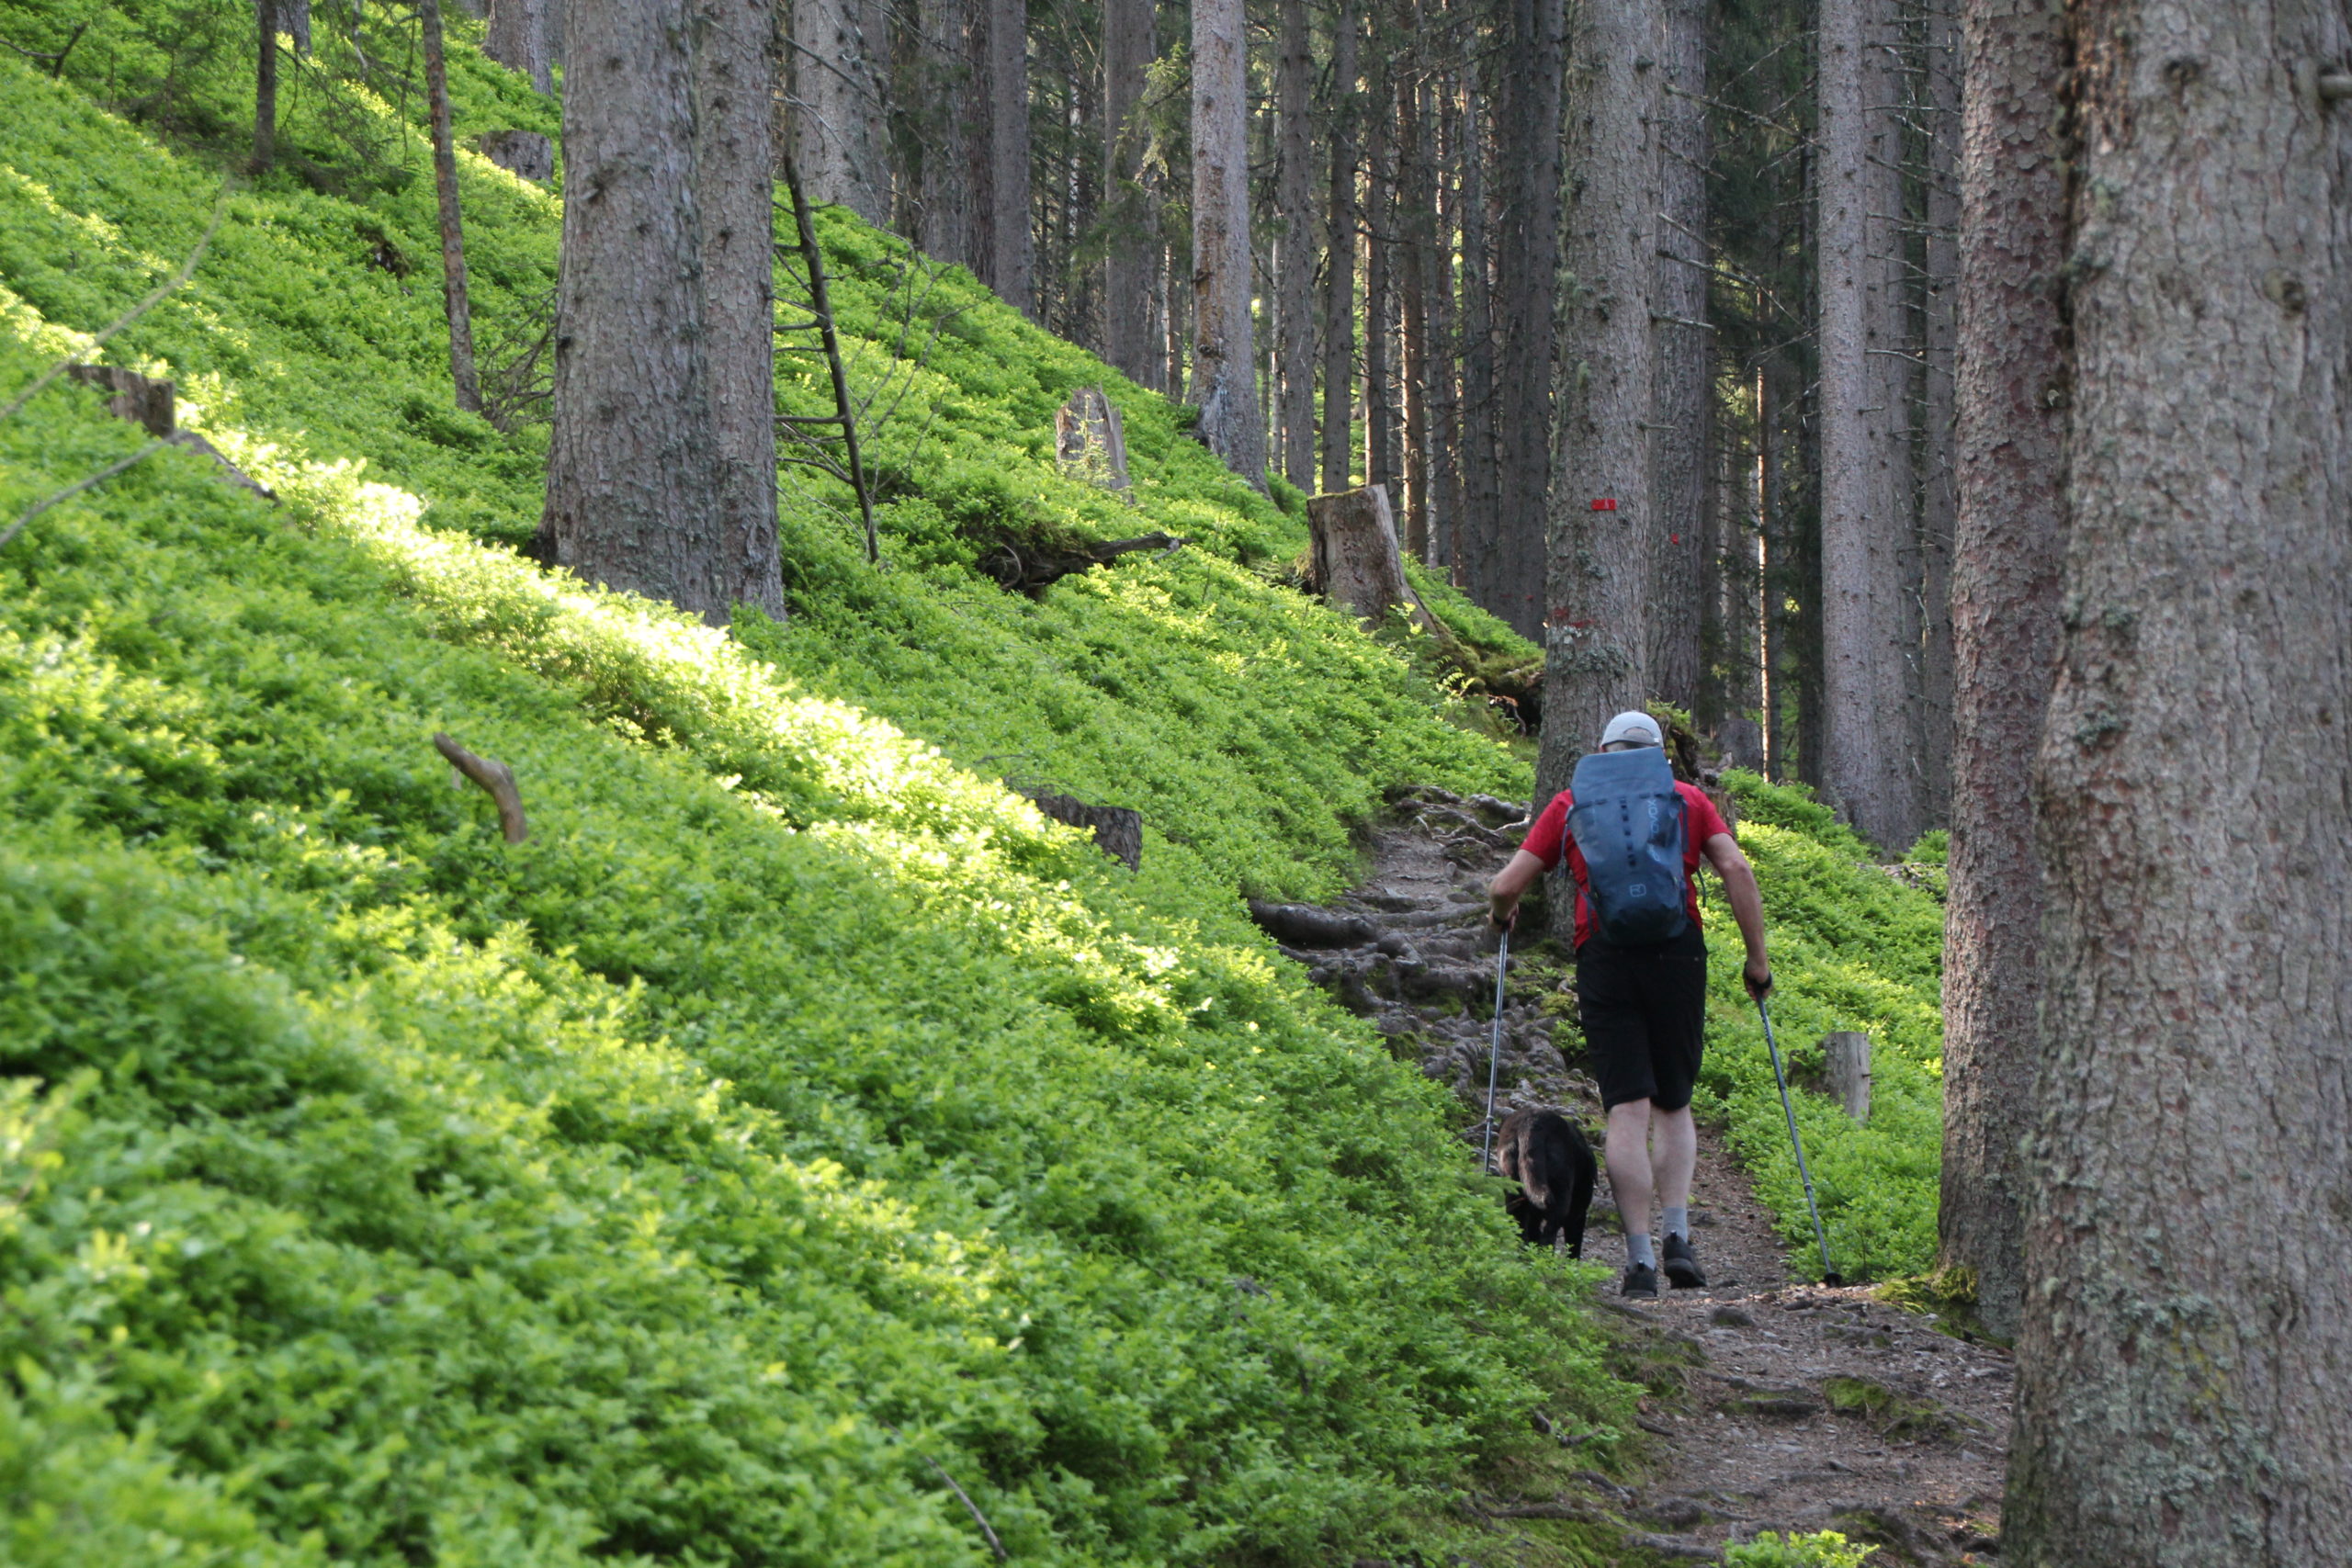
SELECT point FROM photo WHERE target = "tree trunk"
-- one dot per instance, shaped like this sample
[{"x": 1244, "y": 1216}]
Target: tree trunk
[
  {"x": 1444, "y": 347},
  {"x": 2011, "y": 533},
  {"x": 1357, "y": 564},
  {"x": 735, "y": 67},
  {"x": 1477, "y": 564},
  {"x": 1939, "y": 341},
  {"x": 456, "y": 303},
  {"x": 840, "y": 138},
  {"x": 634, "y": 497},
  {"x": 1683, "y": 422},
  {"x": 1526, "y": 276},
  {"x": 1379, "y": 290},
  {"x": 2186, "y": 1344},
  {"x": 1340, "y": 263},
  {"x": 1866, "y": 511},
  {"x": 1598, "y": 563},
  {"x": 1131, "y": 340},
  {"x": 1295, "y": 268},
  {"x": 1224, "y": 369},
  {"x": 294, "y": 17},
  {"x": 1012, "y": 259},
  {"x": 950, "y": 227},
  {"x": 1416, "y": 225},
  {"x": 517, "y": 38},
  {"x": 266, "y": 87}
]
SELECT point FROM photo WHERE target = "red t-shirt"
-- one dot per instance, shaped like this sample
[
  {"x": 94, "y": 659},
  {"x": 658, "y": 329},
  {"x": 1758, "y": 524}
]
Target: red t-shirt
[{"x": 1700, "y": 821}]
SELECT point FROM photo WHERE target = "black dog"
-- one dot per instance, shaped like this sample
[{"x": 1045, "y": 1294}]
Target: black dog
[{"x": 1547, "y": 1154}]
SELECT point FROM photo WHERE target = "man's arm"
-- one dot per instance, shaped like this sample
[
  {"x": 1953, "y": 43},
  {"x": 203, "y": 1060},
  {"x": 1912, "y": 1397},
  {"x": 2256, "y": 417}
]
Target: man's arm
[
  {"x": 1746, "y": 906},
  {"x": 1503, "y": 893}
]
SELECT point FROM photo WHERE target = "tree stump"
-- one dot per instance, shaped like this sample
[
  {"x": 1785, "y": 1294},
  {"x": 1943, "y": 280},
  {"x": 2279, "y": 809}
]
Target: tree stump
[
  {"x": 1356, "y": 563},
  {"x": 143, "y": 400},
  {"x": 1118, "y": 829},
  {"x": 1089, "y": 440},
  {"x": 1847, "y": 1056},
  {"x": 523, "y": 152}
]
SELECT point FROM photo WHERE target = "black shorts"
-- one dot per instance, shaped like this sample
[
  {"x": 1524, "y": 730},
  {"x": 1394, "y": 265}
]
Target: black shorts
[{"x": 1644, "y": 1013}]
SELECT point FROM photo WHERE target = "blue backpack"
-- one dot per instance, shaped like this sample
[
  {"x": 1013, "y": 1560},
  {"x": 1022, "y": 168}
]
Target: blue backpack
[{"x": 1627, "y": 818}]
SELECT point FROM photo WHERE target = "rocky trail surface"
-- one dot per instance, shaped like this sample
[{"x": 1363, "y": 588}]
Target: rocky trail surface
[{"x": 1775, "y": 1404}]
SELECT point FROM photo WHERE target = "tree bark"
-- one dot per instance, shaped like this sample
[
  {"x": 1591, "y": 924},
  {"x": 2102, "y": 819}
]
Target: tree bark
[
  {"x": 266, "y": 87},
  {"x": 840, "y": 139},
  {"x": 1131, "y": 341},
  {"x": 1598, "y": 565},
  {"x": 1866, "y": 511},
  {"x": 517, "y": 38},
  {"x": 1683, "y": 421},
  {"x": 1443, "y": 123},
  {"x": 2010, "y": 531},
  {"x": 1012, "y": 247},
  {"x": 1526, "y": 277},
  {"x": 1357, "y": 561},
  {"x": 1340, "y": 263},
  {"x": 1477, "y": 564},
  {"x": 1379, "y": 288},
  {"x": 1416, "y": 236},
  {"x": 950, "y": 229},
  {"x": 1295, "y": 267},
  {"x": 735, "y": 67},
  {"x": 634, "y": 497},
  {"x": 1224, "y": 369},
  {"x": 1939, "y": 340},
  {"x": 456, "y": 303},
  {"x": 2186, "y": 1344}
]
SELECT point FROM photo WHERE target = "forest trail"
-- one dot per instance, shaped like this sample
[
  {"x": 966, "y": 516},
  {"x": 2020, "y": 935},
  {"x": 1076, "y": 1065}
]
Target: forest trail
[{"x": 1775, "y": 1404}]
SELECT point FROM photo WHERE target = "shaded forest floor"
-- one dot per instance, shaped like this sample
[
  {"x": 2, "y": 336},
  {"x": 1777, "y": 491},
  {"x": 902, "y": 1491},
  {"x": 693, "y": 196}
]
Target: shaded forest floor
[{"x": 1775, "y": 1403}]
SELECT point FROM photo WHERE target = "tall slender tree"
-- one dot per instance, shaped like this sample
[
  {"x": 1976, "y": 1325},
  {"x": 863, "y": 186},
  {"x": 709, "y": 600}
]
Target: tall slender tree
[
  {"x": 1939, "y": 341},
  {"x": 456, "y": 298},
  {"x": 1224, "y": 369},
  {"x": 1683, "y": 419},
  {"x": 1339, "y": 260},
  {"x": 1294, "y": 264},
  {"x": 1477, "y": 548},
  {"x": 2011, "y": 530},
  {"x": 2186, "y": 1339},
  {"x": 1870, "y": 673},
  {"x": 1602, "y": 508},
  {"x": 1132, "y": 339},
  {"x": 1011, "y": 256}
]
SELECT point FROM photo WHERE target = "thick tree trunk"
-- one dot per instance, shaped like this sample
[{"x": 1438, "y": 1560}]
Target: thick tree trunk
[
  {"x": 1443, "y": 127},
  {"x": 456, "y": 303},
  {"x": 634, "y": 498},
  {"x": 1132, "y": 339},
  {"x": 1477, "y": 566},
  {"x": 1226, "y": 379},
  {"x": 1870, "y": 682},
  {"x": 840, "y": 139},
  {"x": 1012, "y": 247},
  {"x": 1683, "y": 422},
  {"x": 517, "y": 38},
  {"x": 1340, "y": 263},
  {"x": 294, "y": 17},
  {"x": 2010, "y": 531},
  {"x": 1294, "y": 264},
  {"x": 2186, "y": 1348},
  {"x": 1527, "y": 279},
  {"x": 265, "y": 86},
  {"x": 735, "y": 69},
  {"x": 1598, "y": 565},
  {"x": 1937, "y": 479},
  {"x": 950, "y": 229}
]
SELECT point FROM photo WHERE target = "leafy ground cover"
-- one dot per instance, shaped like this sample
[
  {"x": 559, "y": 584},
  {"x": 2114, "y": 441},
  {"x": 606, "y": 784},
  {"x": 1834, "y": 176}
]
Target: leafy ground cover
[{"x": 798, "y": 1117}]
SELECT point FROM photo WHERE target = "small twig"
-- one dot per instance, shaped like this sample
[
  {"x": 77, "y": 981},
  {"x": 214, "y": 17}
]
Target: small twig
[
  {"x": 37, "y": 507},
  {"x": 187, "y": 271},
  {"x": 497, "y": 778},
  {"x": 979, "y": 1518}
]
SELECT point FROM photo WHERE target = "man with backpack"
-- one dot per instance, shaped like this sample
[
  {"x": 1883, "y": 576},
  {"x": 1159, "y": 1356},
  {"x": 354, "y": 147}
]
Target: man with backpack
[{"x": 1632, "y": 838}]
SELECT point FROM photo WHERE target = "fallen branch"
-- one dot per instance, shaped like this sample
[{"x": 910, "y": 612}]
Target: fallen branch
[
  {"x": 987, "y": 1530},
  {"x": 496, "y": 778},
  {"x": 37, "y": 507}
]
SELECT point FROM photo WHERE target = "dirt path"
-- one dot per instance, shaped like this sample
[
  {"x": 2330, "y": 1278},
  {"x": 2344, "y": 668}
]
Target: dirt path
[{"x": 1783, "y": 1406}]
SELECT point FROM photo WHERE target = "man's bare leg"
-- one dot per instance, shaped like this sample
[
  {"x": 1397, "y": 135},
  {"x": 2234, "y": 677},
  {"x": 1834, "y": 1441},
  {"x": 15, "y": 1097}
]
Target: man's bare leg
[{"x": 1628, "y": 1153}]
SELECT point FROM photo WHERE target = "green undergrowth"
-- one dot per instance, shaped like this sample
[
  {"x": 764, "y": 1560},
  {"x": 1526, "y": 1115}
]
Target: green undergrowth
[{"x": 796, "y": 1120}]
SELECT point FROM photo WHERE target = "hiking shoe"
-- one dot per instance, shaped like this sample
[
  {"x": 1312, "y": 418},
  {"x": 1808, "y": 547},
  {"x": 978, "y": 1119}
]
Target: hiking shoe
[
  {"x": 1682, "y": 1270},
  {"x": 1641, "y": 1279}
]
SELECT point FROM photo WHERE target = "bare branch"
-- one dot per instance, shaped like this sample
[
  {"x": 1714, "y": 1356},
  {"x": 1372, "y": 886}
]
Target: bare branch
[
  {"x": 37, "y": 507},
  {"x": 496, "y": 778}
]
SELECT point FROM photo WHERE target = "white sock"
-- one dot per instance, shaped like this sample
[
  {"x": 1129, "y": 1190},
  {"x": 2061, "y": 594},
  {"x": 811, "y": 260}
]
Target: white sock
[{"x": 1637, "y": 1252}]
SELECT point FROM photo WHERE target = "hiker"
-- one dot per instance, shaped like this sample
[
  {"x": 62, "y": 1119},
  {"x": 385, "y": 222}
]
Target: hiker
[{"x": 1642, "y": 983}]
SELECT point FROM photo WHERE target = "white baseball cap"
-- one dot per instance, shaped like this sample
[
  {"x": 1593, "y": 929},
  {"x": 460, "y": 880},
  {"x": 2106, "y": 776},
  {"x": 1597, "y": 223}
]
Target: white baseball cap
[{"x": 1634, "y": 728}]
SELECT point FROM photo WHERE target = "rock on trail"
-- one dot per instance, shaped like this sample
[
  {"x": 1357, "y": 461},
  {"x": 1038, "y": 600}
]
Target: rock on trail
[{"x": 1776, "y": 1404}]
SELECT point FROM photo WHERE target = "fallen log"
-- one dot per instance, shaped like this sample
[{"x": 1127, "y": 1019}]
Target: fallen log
[{"x": 1304, "y": 925}]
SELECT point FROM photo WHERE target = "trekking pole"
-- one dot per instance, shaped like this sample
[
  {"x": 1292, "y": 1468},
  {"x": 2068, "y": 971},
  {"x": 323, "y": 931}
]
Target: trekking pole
[
  {"x": 1495, "y": 1050},
  {"x": 1828, "y": 1275}
]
